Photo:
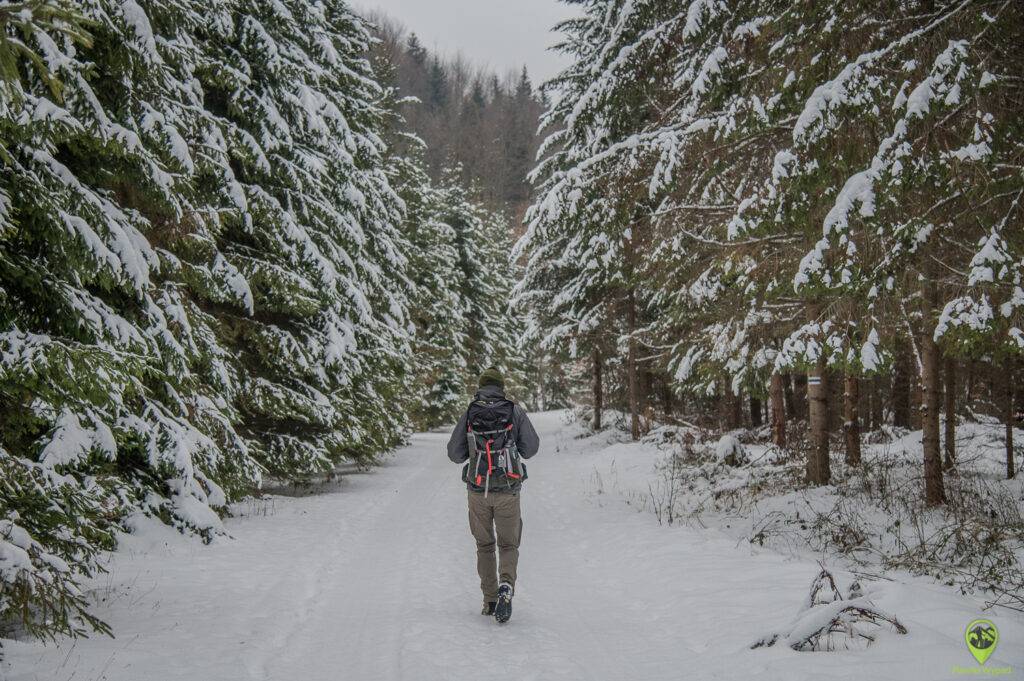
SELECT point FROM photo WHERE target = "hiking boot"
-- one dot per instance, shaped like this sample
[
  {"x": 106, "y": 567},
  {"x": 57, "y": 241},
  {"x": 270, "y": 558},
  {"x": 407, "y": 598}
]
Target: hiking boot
[
  {"x": 488, "y": 608},
  {"x": 503, "y": 609}
]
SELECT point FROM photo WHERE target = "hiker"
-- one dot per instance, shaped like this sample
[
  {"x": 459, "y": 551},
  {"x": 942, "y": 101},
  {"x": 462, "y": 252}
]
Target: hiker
[{"x": 492, "y": 438}]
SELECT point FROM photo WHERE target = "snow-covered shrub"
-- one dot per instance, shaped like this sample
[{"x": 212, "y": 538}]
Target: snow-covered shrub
[
  {"x": 876, "y": 515},
  {"x": 873, "y": 515},
  {"x": 730, "y": 451},
  {"x": 829, "y": 621},
  {"x": 671, "y": 435},
  {"x": 696, "y": 477}
]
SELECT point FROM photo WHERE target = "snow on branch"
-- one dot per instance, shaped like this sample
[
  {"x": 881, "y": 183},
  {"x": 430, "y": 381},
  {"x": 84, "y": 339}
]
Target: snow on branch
[{"x": 829, "y": 621}]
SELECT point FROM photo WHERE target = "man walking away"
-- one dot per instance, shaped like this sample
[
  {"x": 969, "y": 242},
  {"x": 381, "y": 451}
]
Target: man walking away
[{"x": 492, "y": 438}]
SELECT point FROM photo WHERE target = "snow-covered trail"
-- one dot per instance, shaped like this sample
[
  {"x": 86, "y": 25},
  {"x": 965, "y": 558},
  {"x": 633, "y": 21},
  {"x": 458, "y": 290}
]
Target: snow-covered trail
[{"x": 376, "y": 580}]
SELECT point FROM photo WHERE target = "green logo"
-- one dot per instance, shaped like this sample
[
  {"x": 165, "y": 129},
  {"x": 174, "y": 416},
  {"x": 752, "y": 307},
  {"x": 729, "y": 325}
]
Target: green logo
[{"x": 982, "y": 638}]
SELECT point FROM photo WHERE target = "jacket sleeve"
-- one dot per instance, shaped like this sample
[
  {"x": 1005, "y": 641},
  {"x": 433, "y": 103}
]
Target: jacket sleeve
[
  {"x": 527, "y": 440},
  {"x": 458, "y": 446}
]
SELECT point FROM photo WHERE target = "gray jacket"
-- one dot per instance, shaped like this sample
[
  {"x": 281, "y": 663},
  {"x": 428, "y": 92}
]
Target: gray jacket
[{"x": 527, "y": 441}]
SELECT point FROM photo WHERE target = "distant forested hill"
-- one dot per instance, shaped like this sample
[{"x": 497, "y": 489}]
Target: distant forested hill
[{"x": 470, "y": 117}]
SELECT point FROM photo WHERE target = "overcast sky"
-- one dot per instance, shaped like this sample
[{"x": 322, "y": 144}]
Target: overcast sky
[{"x": 501, "y": 34}]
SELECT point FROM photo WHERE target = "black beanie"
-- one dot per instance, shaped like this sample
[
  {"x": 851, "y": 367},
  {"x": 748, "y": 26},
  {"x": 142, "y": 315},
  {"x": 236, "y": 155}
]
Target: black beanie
[{"x": 492, "y": 376}]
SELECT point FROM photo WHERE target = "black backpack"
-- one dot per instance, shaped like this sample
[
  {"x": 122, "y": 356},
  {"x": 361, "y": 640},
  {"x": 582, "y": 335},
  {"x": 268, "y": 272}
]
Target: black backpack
[{"x": 494, "y": 460}]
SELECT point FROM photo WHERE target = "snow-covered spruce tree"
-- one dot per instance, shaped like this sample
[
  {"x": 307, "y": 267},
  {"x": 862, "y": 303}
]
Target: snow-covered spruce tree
[
  {"x": 460, "y": 269},
  {"x": 434, "y": 391},
  {"x": 138, "y": 304},
  {"x": 150, "y": 56},
  {"x": 818, "y": 186},
  {"x": 708, "y": 143},
  {"x": 76, "y": 353},
  {"x": 591, "y": 218},
  {"x": 322, "y": 355},
  {"x": 438, "y": 382},
  {"x": 899, "y": 136},
  {"x": 744, "y": 75},
  {"x": 195, "y": 280},
  {"x": 486, "y": 277},
  {"x": 461, "y": 272}
]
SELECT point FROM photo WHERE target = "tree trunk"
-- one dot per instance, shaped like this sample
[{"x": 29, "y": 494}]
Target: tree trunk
[
  {"x": 901, "y": 389},
  {"x": 851, "y": 414},
  {"x": 632, "y": 377},
  {"x": 755, "y": 412},
  {"x": 646, "y": 391},
  {"x": 667, "y": 398},
  {"x": 723, "y": 407},
  {"x": 1008, "y": 415},
  {"x": 800, "y": 395},
  {"x": 730, "y": 408},
  {"x": 917, "y": 398},
  {"x": 933, "y": 488},
  {"x": 949, "y": 388},
  {"x": 863, "y": 406},
  {"x": 969, "y": 381},
  {"x": 818, "y": 472},
  {"x": 541, "y": 366},
  {"x": 836, "y": 382},
  {"x": 877, "y": 413},
  {"x": 787, "y": 395},
  {"x": 598, "y": 389},
  {"x": 778, "y": 409}
]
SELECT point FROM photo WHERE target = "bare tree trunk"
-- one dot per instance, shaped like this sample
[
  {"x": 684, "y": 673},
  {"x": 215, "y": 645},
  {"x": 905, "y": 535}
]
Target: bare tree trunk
[
  {"x": 667, "y": 399},
  {"x": 631, "y": 361},
  {"x": 646, "y": 383},
  {"x": 800, "y": 395},
  {"x": 877, "y": 414},
  {"x": 1008, "y": 414},
  {"x": 901, "y": 388},
  {"x": 818, "y": 472},
  {"x": 598, "y": 389},
  {"x": 755, "y": 412},
  {"x": 730, "y": 408},
  {"x": 949, "y": 388},
  {"x": 787, "y": 395},
  {"x": 969, "y": 381},
  {"x": 778, "y": 410},
  {"x": 818, "y": 466},
  {"x": 851, "y": 425},
  {"x": 863, "y": 405},
  {"x": 933, "y": 487},
  {"x": 836, "y": 382},
  {"x": 917, "y": 397},
  {"x": 541, "y": 397},
  {"x": 633, "y": 379},
  {"x": 723, "y": 406}
]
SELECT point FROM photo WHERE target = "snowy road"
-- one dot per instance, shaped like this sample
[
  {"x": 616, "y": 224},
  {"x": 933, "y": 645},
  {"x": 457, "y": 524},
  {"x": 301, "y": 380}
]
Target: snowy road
[{"x": 376, "y": 581}]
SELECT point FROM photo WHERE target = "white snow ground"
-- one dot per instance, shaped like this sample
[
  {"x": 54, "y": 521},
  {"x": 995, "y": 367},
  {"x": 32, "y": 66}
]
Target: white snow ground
[{"x": 376, "y": 580}]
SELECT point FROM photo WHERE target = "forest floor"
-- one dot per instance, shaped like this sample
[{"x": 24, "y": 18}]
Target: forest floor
[{"x": 374, "y": 578}]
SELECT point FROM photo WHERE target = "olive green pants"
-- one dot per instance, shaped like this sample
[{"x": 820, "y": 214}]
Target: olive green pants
[{"x": 495, "y": 521}]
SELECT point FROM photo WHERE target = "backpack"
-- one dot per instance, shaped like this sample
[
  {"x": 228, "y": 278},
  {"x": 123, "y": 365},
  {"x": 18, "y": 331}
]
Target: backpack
[{"x": 494, "y": 460}]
